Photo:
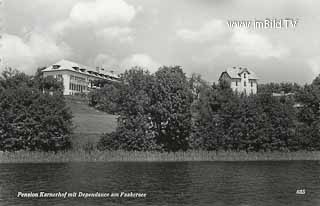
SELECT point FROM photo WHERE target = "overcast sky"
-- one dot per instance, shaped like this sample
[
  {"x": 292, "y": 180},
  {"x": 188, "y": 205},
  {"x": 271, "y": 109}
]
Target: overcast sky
[{"x": 118, "y": 34}]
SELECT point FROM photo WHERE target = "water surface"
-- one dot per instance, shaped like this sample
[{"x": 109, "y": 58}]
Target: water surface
[{"x": 166, "y": 183}]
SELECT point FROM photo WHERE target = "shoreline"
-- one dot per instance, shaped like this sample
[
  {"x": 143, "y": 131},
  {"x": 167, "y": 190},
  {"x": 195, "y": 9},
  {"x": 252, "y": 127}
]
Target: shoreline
[{"x": 134, "y": 156}]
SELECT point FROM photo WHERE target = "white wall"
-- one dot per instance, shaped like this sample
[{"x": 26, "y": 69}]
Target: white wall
[
  {"x": 241, "y": 88},
  {"x": 66, "y": 79}
]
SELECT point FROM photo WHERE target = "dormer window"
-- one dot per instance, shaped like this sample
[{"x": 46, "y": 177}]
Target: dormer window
[
  {"x": 76, "y": 68},
  {"x": 55, "y": 66},
  {"x": 244, "y": 75}
]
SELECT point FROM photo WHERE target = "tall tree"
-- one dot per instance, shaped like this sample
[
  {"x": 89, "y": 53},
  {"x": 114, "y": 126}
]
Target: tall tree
[{"x": 171, "y": 108}]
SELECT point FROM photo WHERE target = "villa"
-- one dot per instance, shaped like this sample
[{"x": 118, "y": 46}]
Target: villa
[{"x": 241, "y": 80}]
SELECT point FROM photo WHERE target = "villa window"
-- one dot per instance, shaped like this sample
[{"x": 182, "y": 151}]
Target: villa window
[
  {"x": 236, "y": 82},
  {"x": 55, "y": 66},
  {"x": 251, "y": 84},
  {"x": 245, "y": 83}
]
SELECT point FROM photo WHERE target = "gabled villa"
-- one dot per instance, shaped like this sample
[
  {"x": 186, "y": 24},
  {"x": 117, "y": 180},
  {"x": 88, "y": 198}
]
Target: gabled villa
[{"x": 241, "y": 80}]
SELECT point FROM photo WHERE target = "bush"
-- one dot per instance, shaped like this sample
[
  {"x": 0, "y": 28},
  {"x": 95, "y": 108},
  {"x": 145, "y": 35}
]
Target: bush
[{"x": 106, "y": 98}]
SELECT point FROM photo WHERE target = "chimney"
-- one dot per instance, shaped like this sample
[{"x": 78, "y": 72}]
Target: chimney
[{"x": 98, "y": 69}]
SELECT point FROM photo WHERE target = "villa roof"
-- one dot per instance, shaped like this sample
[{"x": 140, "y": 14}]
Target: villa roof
[{"x": 235, "y": 72}]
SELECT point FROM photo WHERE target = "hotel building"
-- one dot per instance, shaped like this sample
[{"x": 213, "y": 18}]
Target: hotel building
[{"x": 77, "y": 78}]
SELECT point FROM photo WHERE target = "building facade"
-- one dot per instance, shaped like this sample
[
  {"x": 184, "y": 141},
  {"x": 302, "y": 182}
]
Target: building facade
[
  {"x": 77, "y": 78},
  {"x": 241, "y": 80}
]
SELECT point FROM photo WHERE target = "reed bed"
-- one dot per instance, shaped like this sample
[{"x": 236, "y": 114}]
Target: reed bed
[{"x": 135, "y": 156}]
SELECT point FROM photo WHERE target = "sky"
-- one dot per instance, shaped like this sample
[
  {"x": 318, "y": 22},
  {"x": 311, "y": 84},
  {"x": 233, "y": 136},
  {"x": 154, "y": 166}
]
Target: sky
[{"x": 119, "y": 34}]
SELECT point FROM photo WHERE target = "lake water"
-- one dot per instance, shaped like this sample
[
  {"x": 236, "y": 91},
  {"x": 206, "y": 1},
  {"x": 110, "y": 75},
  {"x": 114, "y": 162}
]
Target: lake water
[{"x": 172, "y": 183}]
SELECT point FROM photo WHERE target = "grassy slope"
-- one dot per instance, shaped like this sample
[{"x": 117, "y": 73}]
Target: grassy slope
[{"x": 89, "y": 123}]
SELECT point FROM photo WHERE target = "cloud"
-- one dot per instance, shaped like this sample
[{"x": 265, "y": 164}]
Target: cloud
[
  {"x": 106, "y": 61},
  {"x": 123, "y": 34},
  {"x": 221, "y": 40},
  {"x": 106, "y": 19},
  {"x": 210, "y": 31},
  {"x": 247, "y": 43},
  {"x": 140, "y": 60},
  {"x": 101, "y": 12},
  {"x": 314, "y": 64},
  {"x": 32, "y": 52}
]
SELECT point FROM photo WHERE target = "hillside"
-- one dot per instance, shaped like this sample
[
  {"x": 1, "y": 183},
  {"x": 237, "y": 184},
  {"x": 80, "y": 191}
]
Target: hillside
[{"x": 89, "y": 123}]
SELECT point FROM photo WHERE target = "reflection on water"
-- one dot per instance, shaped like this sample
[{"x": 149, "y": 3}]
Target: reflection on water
[{"x": 170, "y": 183}]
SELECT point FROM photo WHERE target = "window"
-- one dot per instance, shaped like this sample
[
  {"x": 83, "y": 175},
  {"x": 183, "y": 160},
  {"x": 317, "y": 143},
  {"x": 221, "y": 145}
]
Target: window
[
  {"x": 244, "y": 75},
  {"x": 55, "y": 66},
  {"x": 245, "y": 83},
  {"x": 76, "y": 68},
  {"x": 251, "y": 91},
  {"x": 59, "y": 77},
  {"x": 236, "y": 82},
  {"x": 251, "y": 83}
]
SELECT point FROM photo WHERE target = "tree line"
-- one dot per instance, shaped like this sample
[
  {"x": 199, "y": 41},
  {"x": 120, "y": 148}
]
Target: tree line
[
  {"x": 163, "y": 111},
  {"x": 166, "y": 111}
]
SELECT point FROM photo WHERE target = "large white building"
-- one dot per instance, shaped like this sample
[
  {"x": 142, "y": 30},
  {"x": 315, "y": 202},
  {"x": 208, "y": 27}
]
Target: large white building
[
  {"x": 77, "y": 78},
  {"x": 241, "y": 80}
]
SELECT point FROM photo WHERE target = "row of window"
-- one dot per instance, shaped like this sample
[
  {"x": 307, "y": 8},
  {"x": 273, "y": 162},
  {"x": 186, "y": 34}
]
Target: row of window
[
  {"x": 244, "y": 91},
  {"x": 77, "y": 87},
  {"x": 76, "y": 78},
  {"x": 58, "y": 77},
  {"x": 245, "y": 83}
]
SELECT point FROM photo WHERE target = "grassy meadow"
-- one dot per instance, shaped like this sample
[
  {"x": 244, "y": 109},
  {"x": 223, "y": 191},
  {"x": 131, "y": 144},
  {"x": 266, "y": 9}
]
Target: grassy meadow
[{"x": 89, "y": 124}]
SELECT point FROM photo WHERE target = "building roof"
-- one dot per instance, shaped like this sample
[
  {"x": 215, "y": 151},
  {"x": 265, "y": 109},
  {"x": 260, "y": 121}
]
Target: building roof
[
  {"x": 282, "y": 94},
  {"x": 76, "y": 67},
  {"x": 235, "y": 72}
]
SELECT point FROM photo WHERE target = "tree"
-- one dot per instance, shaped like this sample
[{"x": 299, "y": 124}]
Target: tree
[
  {"x": 171, "y": 100},
  {"x": 31, "y": 119},
  {"x": 106, "y": 98},
  {"x": 154, "y": 111},
  {"x": 135, "y": 127},
  {"x": 308, "y": 134},
  {"x": 215, "y": 110}
]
